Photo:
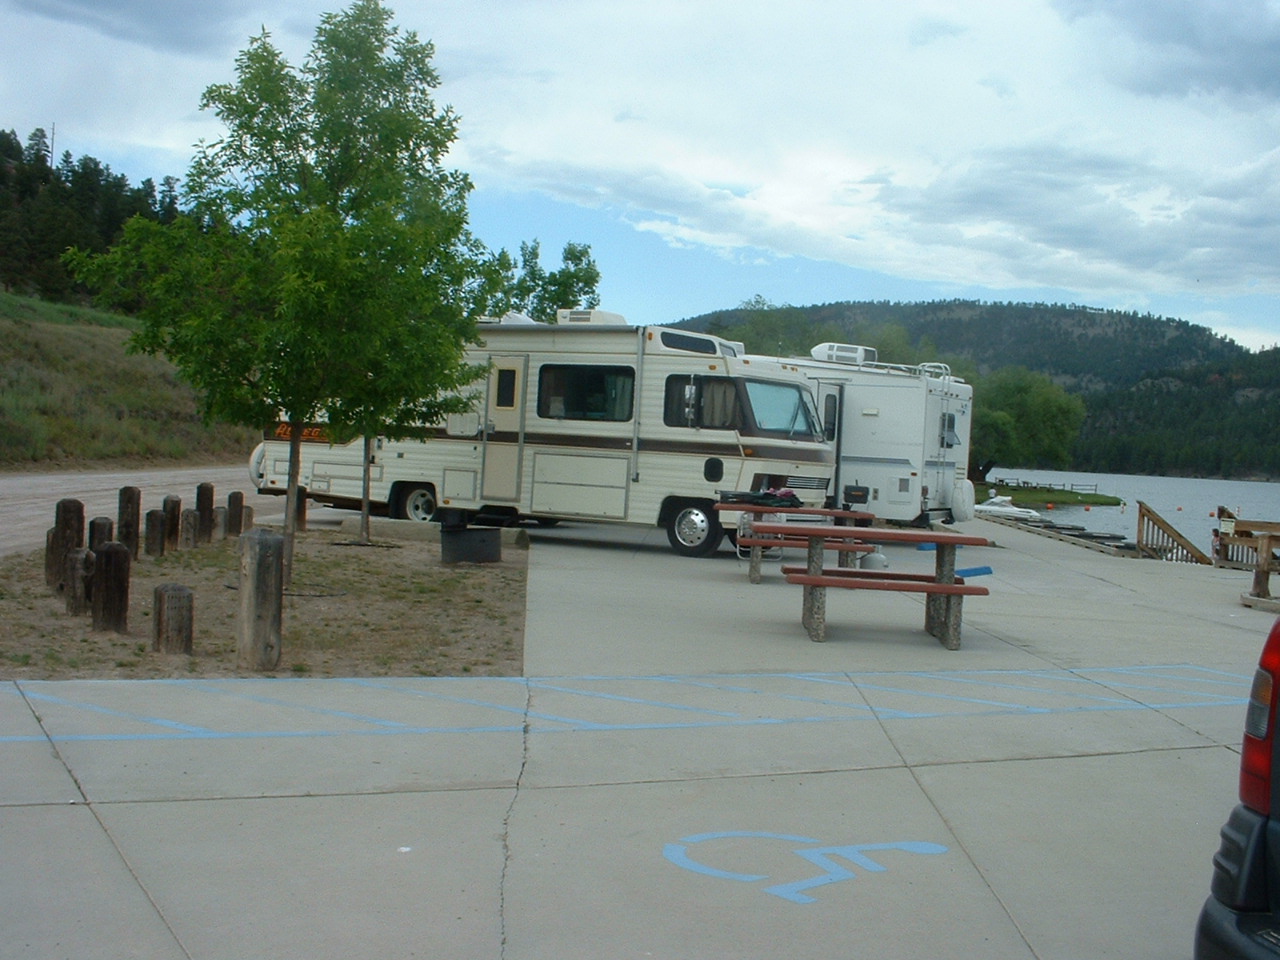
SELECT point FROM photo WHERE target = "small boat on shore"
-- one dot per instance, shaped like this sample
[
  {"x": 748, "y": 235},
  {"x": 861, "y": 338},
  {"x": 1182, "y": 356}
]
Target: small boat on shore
[{"x": 1002, "y": 506}]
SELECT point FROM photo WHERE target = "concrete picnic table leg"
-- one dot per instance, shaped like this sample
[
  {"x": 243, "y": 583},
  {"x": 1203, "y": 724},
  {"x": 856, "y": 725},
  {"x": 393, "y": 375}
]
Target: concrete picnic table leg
[
  {"x": 753, "y": 565},
  {"x": 845, "y": 558},
  {"x": 813, "y": 610},
  {"x": 942, "y": 611}
]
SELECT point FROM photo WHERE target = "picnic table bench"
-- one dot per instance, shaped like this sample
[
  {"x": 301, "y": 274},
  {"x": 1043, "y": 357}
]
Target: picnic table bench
[
  {"x": 757, "y": 545},
  {"x": 944, "y": 591}
]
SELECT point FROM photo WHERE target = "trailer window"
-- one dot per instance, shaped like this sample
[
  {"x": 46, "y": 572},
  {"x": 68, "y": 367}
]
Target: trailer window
[
  {"x": 506, "y": 394},
  {"x": 682, "y": 341},
  {"x": 949, "y": 436},
  {"x": 585, "y": 392},
  {"x": 708, "y": 402},
  {"x": 830, "y": 416}
]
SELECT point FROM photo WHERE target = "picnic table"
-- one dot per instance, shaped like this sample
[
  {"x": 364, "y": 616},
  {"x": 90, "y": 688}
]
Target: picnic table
[
  {"x": 943, "y": 590},
  {"x": 756, "y": 545}
]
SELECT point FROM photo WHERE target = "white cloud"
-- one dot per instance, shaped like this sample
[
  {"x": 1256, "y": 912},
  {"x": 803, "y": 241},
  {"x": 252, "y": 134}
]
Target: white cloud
[{"x": 1115, "y": 150}]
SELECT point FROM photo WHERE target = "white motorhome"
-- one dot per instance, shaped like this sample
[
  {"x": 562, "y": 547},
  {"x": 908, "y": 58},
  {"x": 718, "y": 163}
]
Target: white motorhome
[
  {"x": 588, "y": 419},
  {"x": 901, "y": 433}
]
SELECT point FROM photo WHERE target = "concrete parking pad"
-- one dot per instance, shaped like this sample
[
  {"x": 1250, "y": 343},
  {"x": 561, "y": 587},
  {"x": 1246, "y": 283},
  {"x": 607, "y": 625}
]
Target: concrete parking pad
[{"x": 681, "y": 773}]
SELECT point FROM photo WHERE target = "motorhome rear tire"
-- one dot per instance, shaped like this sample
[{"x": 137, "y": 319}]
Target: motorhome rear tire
[
  {"x": 694, "y": 530},
  {"x": 416, "y": 503}
]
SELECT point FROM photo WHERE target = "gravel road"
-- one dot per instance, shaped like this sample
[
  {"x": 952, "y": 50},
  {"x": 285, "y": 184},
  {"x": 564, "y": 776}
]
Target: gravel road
[{"x": 27, "y": 500}]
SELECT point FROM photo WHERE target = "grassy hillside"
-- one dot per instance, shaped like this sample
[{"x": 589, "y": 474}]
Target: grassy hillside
[{"x": 71, "y": 394}]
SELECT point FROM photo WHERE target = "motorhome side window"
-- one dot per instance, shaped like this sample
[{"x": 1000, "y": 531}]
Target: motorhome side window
[
  {"x": 585, "y": 392},
  {"x": 949, "y": 436},
  {"x": 708, "y": 402},
  {"x": 682, "y": 341}
]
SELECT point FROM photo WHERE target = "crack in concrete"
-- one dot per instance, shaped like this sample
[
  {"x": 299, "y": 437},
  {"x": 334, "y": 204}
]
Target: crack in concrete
[{"x": 506, "y": 819}]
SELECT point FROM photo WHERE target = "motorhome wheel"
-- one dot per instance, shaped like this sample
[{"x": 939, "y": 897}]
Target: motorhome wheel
[
  {"x": 694, "y": 530},
  {"x": 417, "y": 503}
]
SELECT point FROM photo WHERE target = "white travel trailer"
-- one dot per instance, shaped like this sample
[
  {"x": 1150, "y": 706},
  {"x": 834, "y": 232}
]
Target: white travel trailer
[
  {"x": 901, "y": 433},
  {"x": 588, "y": 419}
]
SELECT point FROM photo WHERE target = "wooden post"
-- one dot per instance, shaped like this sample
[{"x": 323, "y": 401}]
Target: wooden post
[
  {"x": 53, "y": 555},
  {"x": 101, "y": 530},
  {"x": 189, "y": 529},
  {"x": 79, "y": 581},
  {"x": 172, "y": 521},
  {"x": 111, "y": 588},
  {"x": 67, "y": 535},
  {"x": 155, "y": 533},
  {"x": 1262, "y": 568},
  {"x": 235, "y": 513},
  {"x": 219, "y": 523},
  {"x": 246, "y": 519},
  {"x": 204, "y": 507},
  {"x": 173, "y": 620},
  {"x": 261, "y": 600},
  {"x": 128, "y": 519}
]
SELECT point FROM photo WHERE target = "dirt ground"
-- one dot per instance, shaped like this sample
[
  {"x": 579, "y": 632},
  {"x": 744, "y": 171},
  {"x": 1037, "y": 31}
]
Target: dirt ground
[{"x": 391, "y": 609}]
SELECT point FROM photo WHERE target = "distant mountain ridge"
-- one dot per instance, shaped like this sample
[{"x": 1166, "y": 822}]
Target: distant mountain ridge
[{"x": 1084, "y": 349}]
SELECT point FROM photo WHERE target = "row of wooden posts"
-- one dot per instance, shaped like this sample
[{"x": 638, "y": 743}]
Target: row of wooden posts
[{"x": 93, "y": 574}]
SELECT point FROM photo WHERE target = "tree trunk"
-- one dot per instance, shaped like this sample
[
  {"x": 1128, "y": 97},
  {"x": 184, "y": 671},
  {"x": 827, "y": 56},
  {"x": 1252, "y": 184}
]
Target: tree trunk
[
  {"x": 291, "y": 501},
  {"x": 364, "y": 489}
]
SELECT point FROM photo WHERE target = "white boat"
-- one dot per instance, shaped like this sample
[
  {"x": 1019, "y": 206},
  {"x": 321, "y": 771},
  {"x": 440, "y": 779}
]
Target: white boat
[{"x": 1003, "y": 507}]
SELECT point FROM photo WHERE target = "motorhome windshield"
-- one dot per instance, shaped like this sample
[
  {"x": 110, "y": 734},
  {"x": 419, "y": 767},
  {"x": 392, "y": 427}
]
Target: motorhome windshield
[
  {"x": 782, "y": 409},
  {"x": 752, "y": 407}
]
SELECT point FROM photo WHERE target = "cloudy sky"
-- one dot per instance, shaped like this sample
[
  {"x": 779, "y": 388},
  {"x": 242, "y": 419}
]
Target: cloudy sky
[{"x": 1115, "y": 153}]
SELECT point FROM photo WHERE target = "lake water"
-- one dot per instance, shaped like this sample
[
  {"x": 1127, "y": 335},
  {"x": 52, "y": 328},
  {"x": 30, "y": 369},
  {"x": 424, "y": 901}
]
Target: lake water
[{"x": 1189, "y": 505}]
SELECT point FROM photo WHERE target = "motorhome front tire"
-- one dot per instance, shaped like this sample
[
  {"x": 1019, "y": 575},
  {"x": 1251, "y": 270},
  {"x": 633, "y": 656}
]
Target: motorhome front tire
[
  {"x": 694, "y": 530},
  {"x": 416, "y": 503}
]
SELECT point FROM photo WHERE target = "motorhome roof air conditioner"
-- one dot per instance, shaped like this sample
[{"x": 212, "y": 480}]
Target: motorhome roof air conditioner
[
  {"x": 594, "y": 317},
  {"x": 843, "y": 353}
]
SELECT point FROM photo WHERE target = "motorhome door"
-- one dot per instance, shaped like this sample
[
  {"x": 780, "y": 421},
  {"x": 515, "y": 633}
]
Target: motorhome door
[{"x": 504, "y": 429}]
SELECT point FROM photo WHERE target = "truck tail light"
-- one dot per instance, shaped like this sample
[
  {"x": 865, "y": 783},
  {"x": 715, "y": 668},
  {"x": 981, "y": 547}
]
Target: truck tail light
[{"x": 1258, "y": 751}]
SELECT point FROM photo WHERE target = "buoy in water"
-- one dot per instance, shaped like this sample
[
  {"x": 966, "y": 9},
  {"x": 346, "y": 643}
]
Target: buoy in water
[
  {"x": 1087, "y": 507},
  {"x": 1048, "y": 506}
]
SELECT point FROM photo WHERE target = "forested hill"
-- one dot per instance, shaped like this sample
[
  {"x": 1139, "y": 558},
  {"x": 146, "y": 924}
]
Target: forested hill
[
  {"x": 1216, "y": 420},
  {"x": 1162, "y": 396},
  {"x": 1083, "y": 349}
]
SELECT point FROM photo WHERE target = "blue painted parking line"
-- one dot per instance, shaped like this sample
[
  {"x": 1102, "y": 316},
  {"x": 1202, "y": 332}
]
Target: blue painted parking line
[
  {"x": 114, "y": 710},
  {"x": 639, "y": 701},
  {"x": 826, "y": 858}
]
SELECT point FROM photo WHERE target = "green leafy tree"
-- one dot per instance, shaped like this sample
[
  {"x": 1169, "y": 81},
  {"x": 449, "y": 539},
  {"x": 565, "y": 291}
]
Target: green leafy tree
[
  {"x": 1023, "y": 419},
  {"x": 325, "y": 267},
  {"x": 539, "y": 294}
]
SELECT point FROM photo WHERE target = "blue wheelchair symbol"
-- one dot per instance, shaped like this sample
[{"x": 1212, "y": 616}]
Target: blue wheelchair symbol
[{"x": 820, "y": 856}]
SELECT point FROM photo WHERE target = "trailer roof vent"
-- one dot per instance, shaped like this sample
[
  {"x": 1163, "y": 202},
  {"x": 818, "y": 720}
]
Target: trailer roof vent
[
  {"x": 843, "y": 353},
  {"x": 595, "y": 317}
]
